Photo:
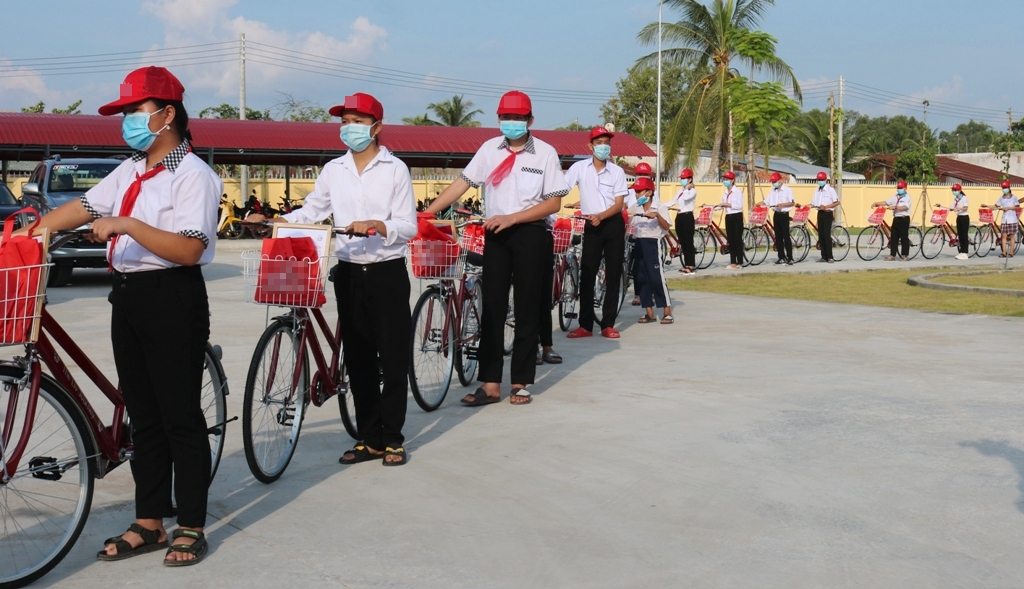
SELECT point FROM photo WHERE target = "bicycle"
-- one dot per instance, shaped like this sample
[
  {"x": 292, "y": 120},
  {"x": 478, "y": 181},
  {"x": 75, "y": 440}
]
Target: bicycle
[
  {"x": 873, "y": 240},
  {"x": 447, "y": 317},
  {"x": 566, "y": 285},
  {"x": 757, "y": 241},
  {"x": 53, "y": 444},
  {"x": 698, "y": 245},
  {"x": 278, "y": 385},
  {"x": 714, "y": 238},
  {"x": 840, "y": 235},
  {"x": 797, "y": 234},
  {"x": 941, "y": 232},
  {"x": 991, "y": 233}
]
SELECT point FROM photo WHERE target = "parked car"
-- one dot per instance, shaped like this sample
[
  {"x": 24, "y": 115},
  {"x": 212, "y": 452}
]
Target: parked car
[
  {"x": 8, "y": 204},
  {"x": 54, "y": 182}
]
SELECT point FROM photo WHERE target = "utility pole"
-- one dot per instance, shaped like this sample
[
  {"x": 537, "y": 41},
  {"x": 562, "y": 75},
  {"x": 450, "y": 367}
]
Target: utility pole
[
  {"x": 924, "y": 181},
  {"x": 657, "y": 159},
  {"x": 839, "y": 168},
  {"x": 243, "y": 181},
  {"x": 832, "y": 134}
]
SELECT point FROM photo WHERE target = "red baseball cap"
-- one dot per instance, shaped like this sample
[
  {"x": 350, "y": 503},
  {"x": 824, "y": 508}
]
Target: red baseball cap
[
  {"x": 515, "y": 103},
  {"x": 362, "y": 104},
  {"x": 1005, "y": 184},
  {"x": 730, "y": 175},
  {"x": 600, "y": 132},
  {"x": 822, "y": 176},
  {"x": 956, "y": 187},
  {"x": 643, "y": 183},
  {"x": 686, "y": 173},
  {"x": 776, "y": 177},
  {"x": 901, "y": 184},
  {"x": 143, "y": 84},
  {"x": 643, "y": 169}
]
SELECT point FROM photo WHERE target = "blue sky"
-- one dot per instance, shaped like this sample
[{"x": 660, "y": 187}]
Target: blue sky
[{"x": 967, "y": 59}]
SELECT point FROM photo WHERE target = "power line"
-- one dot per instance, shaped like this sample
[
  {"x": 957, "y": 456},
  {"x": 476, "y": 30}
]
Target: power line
[{"x": 140, "y": 53}]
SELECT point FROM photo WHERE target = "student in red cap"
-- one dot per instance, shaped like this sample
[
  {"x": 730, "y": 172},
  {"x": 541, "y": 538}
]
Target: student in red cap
[
  {"x": 684, "y": 203},
  {"x": 369, "y": 188},
  {"x": 1010, "y": 205},
  {"x": 650, "y": 223},
  {"x": 523, "y": 185},
  {"x": 963, "y": 221},
  {"x": 900, "y": 207},
  {"x": 825, "y": 199},
  {"x": 732, "y": 202},
  {"x": 603, "y": 187},
  {"x": 781, "y": 201},
  {"x": 158, "y": 213}
]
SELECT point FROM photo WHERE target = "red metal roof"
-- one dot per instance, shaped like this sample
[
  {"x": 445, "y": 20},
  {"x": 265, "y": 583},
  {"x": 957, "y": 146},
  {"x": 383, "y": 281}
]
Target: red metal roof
[
  {"x": 275, "y": 142},
  {"x": 952, "y": 170}
]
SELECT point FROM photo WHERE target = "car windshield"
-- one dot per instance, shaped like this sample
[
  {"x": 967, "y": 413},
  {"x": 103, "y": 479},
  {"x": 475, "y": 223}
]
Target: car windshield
[
  {"x": 78, "y": 177},
  {"x": 6, "y": 198}
]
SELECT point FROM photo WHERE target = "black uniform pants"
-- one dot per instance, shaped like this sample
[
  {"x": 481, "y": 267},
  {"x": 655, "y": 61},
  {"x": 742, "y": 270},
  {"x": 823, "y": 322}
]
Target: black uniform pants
[
  {"x": 825, "y": 233},
  {"x": 900, "y": 236},
  {"x": 684, "y": 231},
  {"x": 963, "y": 223},
  {"x": 734, "y": 233},
  {"x": 376, "y": 328},
  {"x": 605, "y": 242},
  {"x": 547, "y": 298},
  {"x": 518, "y": 257},
  {"x": 159, "y": 326},
  {"x": 649, "y": 277},
  {"x": 783, "y": 243}
]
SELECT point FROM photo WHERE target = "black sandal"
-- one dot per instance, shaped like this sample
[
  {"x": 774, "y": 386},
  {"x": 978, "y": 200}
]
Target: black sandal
[
  {"x": 646, "y": 319},
  {"x": 400, "y": 452},
  {"x": 552, "y": 357},
  {"x": 521, "y": 394},
  {"x": 197, "y": 549},
  {"x": 361, "y": 453},
  {"x": 150, "y": 543},
  {"x": 478, "y": 398}
]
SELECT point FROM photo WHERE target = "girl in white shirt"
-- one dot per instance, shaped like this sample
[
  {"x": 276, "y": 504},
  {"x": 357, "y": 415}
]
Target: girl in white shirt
[
  {"x": 732, "y": 201},
  {"x": 963, "y": 221},
  {"x": 367, "y": 189},
  {"x": 650, "y": 223},
  {"x": 1010, "y": 205},
  {"x": 684, "y": 203}
]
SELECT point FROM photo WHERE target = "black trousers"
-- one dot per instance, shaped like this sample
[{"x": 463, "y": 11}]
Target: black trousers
[
  {"x": 963, "y": 223},
  {"x": 605, "y": 242},
  {"x": 825, "y": 233},
  {"x": 517, "y": 257},
  {"x": 376, "y": 328},
  {"x": 783, "y": 242},
  {"x": 900, "y": 235},
  {"x": 734, "y": 233},
  {"x": 649, "y": 277},
  {"x": 547, "y": 299},
  {"x": 159, "y": 327},
  {"x": 684, "y": 231}
]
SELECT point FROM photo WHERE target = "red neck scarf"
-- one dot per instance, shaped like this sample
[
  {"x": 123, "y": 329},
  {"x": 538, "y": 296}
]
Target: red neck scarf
[
  {"x": 503, "y": 170},
  {"x": 128, "y": 204}
]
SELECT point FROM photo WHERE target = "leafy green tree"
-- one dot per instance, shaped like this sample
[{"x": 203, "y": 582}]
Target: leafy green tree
[
  {"x": 635, "y": 106},
  {"x": 37, "y": 108},
  {"x": 969, "y": 137},
  {"x": 419, "y": 121},
  {"x": 891, "y": 134},
  {"x": 40, "y": 108},
  {"x": 575, "y": 126},
  {"x": 759, "y": 109},
  {"x": 916, "y": 165},
  {"x": 294, "y": 109},
  {"x": 455, "y": 112},
  {"x": 227, "y": 111},
  {"x": 710, "y": 38}
]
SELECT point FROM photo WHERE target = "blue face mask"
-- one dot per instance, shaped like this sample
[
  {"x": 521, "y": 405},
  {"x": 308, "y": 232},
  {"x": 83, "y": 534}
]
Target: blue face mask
[
  {"x": 513, "y": 129},
  {"x": 727, "y": 184},
  {"x": 602, "y": 152},
  {"x": 822, "y": 183},
  {"x": 776, "y": 184},
  {"x": 1006, "y": 191},
  {"x": 135, "y": 130},
  {"x": 901, "y": 192},
  {"x": 643, "y": 200},
  {"x": 356, "y": 136}
]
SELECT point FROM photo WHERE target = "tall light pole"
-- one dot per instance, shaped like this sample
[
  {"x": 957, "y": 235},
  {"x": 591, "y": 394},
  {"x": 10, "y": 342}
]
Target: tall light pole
[
  {"x": 243, "y": 170},
  {"x": 657, "y": 141}
]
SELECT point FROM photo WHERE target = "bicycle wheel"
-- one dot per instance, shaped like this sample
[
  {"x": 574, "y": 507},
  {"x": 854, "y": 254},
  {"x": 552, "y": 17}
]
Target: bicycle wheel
[
  {"x": 510, "y": 323},
  {"x": 44, "y": 505},
  {"x": 932, "y": 242},
  {"x": 699, "y": 246},
  {"x": 469, "y": 338},
  {"x": 916, "y": 242},
  {"x": 1020, "y": 237},
  {"x": 433, "y": 350},
  {"x": 215, "y": 406},
  {"x": 599, "y": 288},
  {"x": 275, "y": 401},
  {"x": 973, "y": 240},
  {"x": 569, "y": 298},
  {"x": 710, "y": 249},
  {"x": 801, "y": 243},
  {"x": 870, "y": 243},
  {"x": 748, "y": 241},
  {"x": 346, "y": 406},
  {"x": 840, "y": 243},
  {"x": 986, "y": 240},
  {"x": 762, "y": 245}
]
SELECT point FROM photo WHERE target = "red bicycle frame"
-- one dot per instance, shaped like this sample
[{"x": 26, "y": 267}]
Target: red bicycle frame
[{"x": 309, "y": 336}]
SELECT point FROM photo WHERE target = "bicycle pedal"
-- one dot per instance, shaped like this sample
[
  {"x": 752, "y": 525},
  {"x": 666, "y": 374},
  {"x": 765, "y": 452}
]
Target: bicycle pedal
[
  {"x": 472, "y": 352},
  {"x": 37, "y": 466},
  {"x": 286, "y": 416},
  {"x": 571, "y": 315}
]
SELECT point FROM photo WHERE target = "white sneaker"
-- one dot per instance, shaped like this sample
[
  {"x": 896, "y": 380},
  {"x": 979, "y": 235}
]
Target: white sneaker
[{"x": 961, "y": 256}]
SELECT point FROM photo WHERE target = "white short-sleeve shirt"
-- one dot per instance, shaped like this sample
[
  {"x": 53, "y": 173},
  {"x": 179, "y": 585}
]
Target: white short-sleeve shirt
[
  {"x": 184, "y": 198},
  {"x": 383, "y": 192},
  {"x": 734, "y": 198},
  {"x": 598, "y": 190},
  {"x": 535, "y": 177},
  {"x": 645, "y": 228},
  {"x": 1009, "y": 217},
  {"x": 960, "y": 200},
  {"x": 685, "y": 200},
  {"x": 900, "y": 201},
  {"x": 780, "y": 195},
  {"x": 824, "y": 195}
]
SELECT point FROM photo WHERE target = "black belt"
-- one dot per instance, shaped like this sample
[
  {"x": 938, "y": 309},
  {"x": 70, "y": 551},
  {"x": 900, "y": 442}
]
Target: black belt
[
  {"x": 373, "y": 267},
  {"x": 177, "y": 273}
]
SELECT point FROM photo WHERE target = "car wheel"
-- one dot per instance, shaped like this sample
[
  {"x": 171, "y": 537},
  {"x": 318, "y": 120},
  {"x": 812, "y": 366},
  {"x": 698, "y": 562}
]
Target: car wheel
[{"x": 60, "y": 274}]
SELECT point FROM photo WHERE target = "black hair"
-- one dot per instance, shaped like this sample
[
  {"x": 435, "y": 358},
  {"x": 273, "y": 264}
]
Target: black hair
[{"x": 180, "y": 122}]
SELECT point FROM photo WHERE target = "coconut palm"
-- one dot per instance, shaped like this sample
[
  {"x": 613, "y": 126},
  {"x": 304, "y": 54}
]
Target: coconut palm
[
  {"x": 710, "y": 38},
  {"x": 419, "y": 121},
  {"x": 455, "y": 112}
]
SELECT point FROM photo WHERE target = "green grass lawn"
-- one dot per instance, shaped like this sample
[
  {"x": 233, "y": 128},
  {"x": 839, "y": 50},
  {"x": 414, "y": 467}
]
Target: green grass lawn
[
  {"x": 1011, "y": 280},
  {"x": 881, "y": 288}
]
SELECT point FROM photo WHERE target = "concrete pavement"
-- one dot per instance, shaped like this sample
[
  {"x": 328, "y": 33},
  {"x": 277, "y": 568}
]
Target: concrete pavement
[{"x": 816, "y": 445}]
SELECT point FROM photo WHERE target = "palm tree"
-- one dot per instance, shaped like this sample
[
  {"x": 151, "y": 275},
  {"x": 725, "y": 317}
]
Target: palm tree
[
  {"x": 455, "y": 112},
  {"x": 709, "y": 39},
  {"x": 419, "y": 121}
]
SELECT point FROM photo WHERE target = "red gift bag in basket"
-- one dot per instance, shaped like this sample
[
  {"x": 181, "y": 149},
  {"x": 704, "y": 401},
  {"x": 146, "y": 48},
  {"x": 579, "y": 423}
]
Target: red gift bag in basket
[
  {"x": 562, "y": 234},
  {"x": 800, "y": 214},
  {"x": 290, "y": 273},
  {"x": 939, "y": 216},
  {"x": 876, "y": 217},
  {"x": 985, "y": 216},
  {"x": 758, "y": 215},
  {"x": 434, "y": 253},
  {"x": 21, "y": 272}
]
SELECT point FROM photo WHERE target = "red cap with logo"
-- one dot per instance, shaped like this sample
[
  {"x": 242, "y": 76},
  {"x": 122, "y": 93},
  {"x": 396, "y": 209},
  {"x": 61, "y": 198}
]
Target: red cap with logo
[
  {"x": 686, "y": 173},
  {"x": 362, "y": 104},
  {"x": 901, "y": 185},
  {"x": 1005, "y": 184},
  {"x": 643, "y": 183},
  {"x": 822, "y": 176},
  {"x": 956, "y": 187},
  {"x": 643, "y": 169},
  {"x": 730, "y": 175},
  {"x": 515, "y": 103},
  {"x": 776, "y": 177},
  {"x": 600, "y": 132},
  {"x": 143, "y": 84}
]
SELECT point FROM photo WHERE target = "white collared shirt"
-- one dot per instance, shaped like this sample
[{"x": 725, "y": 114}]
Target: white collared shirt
[
  {"x": 629, "y": 201},
  {"x": 644, "y": 228},
  {"x": 960, "y": 200},
  {"x": 598, "y": 190},
  {"x": 824, "y": 195},
  {"x": 778, "y": 196},
  {"x": 535, "y": 177},
  {"x": 734, "y": 198},
  {"x": 184, "y": 199},
  {"x": 382, "y": 193},
  {"x": 1009, "y": 217},
  {"x": 686, "y": 199},
  {"x": 900, "y": 201}
]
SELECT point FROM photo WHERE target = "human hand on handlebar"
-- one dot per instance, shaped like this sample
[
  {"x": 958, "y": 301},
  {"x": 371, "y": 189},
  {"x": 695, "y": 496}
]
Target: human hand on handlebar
[
  {"x": 104, "y": 228},
  {"x": 364, "y": 228}
]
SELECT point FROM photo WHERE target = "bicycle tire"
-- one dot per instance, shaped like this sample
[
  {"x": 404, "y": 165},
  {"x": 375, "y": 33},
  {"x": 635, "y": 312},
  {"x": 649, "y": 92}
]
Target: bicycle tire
[
  {"x": 870, "y": 243},
  {"x": 509, "y": 336},
  {"x": 932, "y": 242},
  {"x": 747, "y": 240},
  {"x": 762, "y": 245},
  {"x": 569, "y": 299},
  {"x": 469, "y": 337},
  {"x": 269, "y": 451},
  {"x": 840, "y": 243},
  {"x": 432, "y": 350},
  {"x": 916, "y": 239},
  {"x": 213, "y": 400},
  {"x": 986, "y": 241},
  {"x": 25, "y": 496},
  {"x": 973, "y": 240},
  {"x": 1020, "y": 237},
  {"x": 346, "y": 406},
  {"x": 801, "y": 243},
  {"x": 699, "y": 246}
]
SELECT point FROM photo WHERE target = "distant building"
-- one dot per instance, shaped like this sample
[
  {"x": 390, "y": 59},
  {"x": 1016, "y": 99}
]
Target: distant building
[{"x": 950, "y": 170}]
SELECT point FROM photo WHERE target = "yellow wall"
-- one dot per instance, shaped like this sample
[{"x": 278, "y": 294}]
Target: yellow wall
[{"x": 857, "y": 198}]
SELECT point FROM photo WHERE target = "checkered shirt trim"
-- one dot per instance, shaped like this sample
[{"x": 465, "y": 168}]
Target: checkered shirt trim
[
  {"x": 88, "y": 207},
  {"x": 529, "y": 148},
  {"x": 172, "y": 160},
  {"x": 533, "y": 170},
  {"x": 468, "y": 181},
  {"x": 556, "y": 194},
  {"x": 198, "y": 235}
]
